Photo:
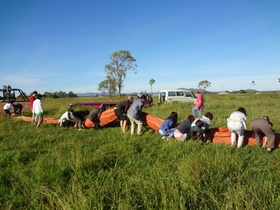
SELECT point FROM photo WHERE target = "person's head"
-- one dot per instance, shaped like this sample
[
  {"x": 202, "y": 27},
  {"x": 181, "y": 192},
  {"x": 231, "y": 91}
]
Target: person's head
[
  {"x": 34, "y": 93},
  {"x": 242, "y": 110},
  {"x": 143, "y": 97},
  {"x": 39, "y": 96},
  {"x": 11, "y": 101},
  {"x": 190, "y": 118},
  {"x": 209, "y": 115},
  {"x": 130, "y": 99},
  {"x": 173, "y": 116}
]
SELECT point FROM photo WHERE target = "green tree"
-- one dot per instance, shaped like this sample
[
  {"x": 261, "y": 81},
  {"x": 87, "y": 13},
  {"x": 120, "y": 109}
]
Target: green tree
[
  {"x": 121, "y": 62},
  {"x": 242, "y": 91},
  {"x": 71, "y": 95},
  {"x": 107, "y": 85},
  {"x": 152, "y": 81},
  {"x": 204, "y": 84},
  {"x": 62, "y": 94}
]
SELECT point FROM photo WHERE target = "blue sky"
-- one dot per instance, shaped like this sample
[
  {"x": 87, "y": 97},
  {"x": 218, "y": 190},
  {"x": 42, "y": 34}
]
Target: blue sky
[{"x": 64, "y": 45}]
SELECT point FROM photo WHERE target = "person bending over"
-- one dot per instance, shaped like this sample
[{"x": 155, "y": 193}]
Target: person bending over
[
  {"x": 79, "y": 117},
  {"x": 183, "y": 131}
]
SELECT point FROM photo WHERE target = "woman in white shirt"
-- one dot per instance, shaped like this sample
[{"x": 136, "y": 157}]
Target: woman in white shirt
[{"x": 236, "y": 123}]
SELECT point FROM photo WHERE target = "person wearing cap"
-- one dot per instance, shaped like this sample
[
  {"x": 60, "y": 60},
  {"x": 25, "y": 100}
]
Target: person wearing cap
[
  {"x": 38, "y": 111},
  {"x": 8, "y": 108},
  {"x": 31, "y": 101},
  {"x": 121, "y": 111},
  {"x": 262, "y": 128},
  {"x": 134, "y": 114}
]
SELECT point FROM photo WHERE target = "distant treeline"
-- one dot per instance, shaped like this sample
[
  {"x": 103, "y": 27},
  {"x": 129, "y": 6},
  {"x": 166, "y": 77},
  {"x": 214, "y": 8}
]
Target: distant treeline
[{"x": 60, "y": 94}]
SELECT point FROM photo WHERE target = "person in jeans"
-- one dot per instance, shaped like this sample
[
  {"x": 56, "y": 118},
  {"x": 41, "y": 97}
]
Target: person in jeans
[
  {"x": 167, "y": 127},
  {"x": 134, "y": 115},
  {"x": 236, "y": 123},
  {"x": 199, "y": 105}
]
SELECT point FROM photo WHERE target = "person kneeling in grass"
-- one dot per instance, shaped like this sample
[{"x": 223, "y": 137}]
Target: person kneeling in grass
[
  {"x": 183, "y": 131},
  {"x": 167, "y": 127},
  {"x": 200, "y": 127}
]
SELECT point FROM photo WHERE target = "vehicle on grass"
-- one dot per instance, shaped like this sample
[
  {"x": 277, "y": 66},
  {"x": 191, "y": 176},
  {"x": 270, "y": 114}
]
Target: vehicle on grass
[
  {"x": 149, "y": 98},
  {"x": 96, "y": 105},
  {"x": 182, "y": 96}
]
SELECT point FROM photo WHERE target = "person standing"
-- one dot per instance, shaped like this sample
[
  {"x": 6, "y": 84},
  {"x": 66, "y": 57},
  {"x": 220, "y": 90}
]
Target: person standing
[
  {"x": 38, "y": 111},
  {"x": 199, "y": 105},
  {"x": 121, "y": 111},
  {"x": 8, "y": 108},
  {"x": 31, "y": 101},
  {"x": 134, "y": 114},
  {"x": 236, "y": 123},
  {"x": 262, "y": 127}
]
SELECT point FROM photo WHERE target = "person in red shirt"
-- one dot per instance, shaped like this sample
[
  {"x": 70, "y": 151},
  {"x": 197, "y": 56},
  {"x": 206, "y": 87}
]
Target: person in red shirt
[
  {"x": 199, "y": 105},
  {"x": 31, "y": 100}
]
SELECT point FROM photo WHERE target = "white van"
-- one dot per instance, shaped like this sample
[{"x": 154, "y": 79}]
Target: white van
[{"x": 183, "y": 96}]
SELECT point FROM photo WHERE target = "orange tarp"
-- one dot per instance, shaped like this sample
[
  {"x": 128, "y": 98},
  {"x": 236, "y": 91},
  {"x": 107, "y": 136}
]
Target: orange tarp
[
  {"x": 107, "y": 117},
  {"x": 46, "y": 120},
  {"x": 151, "y": 121}
]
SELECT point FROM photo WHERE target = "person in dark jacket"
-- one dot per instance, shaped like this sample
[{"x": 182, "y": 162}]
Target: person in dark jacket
[
  {"x": 95, "y": 115},
  {"x": 262, "y": 128},
  {"x": 121, "y": 111},
  {"x": 183, "y": 131},
  {"x": 79, "y": 117}
]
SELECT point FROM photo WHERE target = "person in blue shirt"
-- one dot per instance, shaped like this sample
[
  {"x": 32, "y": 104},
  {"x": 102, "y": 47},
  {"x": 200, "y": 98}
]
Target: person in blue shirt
[
  {"x": 167, "y": 128},
  {"x": 134, "y": 115}
]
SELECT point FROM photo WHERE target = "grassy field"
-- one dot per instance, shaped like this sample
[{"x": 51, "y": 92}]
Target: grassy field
[{"x": 59, "y": 168}]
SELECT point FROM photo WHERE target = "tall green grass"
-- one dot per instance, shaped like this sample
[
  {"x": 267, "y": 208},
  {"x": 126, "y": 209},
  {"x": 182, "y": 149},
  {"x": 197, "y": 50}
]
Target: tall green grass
[{"x": 59, "y": 168}]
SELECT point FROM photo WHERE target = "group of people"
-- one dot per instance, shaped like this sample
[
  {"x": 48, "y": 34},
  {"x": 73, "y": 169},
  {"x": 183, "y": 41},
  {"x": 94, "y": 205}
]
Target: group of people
[
  {"x": 192, "y": 128},
  {"x": 127, "y": 109},
  {"x": 10, "y": 106},
  {"x": 262, "y": 129}
]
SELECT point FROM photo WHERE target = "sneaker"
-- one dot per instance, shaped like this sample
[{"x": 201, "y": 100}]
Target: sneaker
[
  {"x": 140, "y": 134},
  {"x": 80, "y": 129},
  {"x": 269, "y": 149},
  {"x": 163, "y": 137}
]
